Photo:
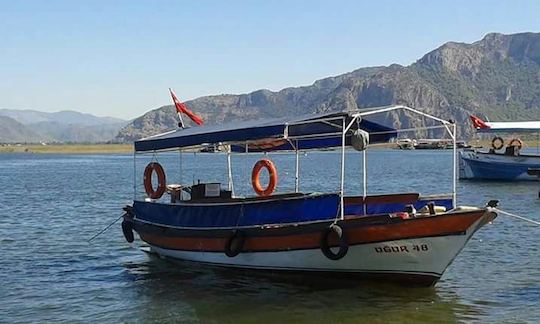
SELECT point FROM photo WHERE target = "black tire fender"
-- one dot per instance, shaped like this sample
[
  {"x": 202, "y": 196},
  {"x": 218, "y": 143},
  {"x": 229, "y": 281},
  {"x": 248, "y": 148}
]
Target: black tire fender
[
  {"x": 325, "y": 244},
  {"x": 127, "y": 229},
  {"x": 235, "y": 244}
]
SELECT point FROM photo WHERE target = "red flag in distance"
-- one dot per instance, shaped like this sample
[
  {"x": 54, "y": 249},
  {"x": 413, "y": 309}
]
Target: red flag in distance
[{"x": 478, "y": 123}]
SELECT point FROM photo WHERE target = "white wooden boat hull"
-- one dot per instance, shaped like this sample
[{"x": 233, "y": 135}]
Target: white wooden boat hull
[{"x": 426, "y": 257}]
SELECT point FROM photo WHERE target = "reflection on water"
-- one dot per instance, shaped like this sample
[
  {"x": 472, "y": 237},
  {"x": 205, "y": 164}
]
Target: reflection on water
[
  {"x": 52, "y": 204},
  {"x": 173, "y": 288}
]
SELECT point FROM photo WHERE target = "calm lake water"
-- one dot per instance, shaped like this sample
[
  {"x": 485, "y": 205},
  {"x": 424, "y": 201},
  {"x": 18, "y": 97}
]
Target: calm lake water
[{"x": 52, "y": 204}]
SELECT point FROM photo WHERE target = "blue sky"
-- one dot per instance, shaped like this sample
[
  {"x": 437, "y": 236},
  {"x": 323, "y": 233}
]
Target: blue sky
[{"x": 118, "y": 58}]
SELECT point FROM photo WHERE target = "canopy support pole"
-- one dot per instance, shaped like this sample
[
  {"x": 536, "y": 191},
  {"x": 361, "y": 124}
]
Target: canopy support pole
[
  {"x": 342, "y": 209},
  {"x": 229, "y": 171},
  {"x": 364, "y": 180},
  {"x": 296, "y": 177},
  {"x": 454, "y": 171},
  {"x": 453, "y": 135},
  {"x": 180, "y": 158},
  {"x": 134, "y": 175}
]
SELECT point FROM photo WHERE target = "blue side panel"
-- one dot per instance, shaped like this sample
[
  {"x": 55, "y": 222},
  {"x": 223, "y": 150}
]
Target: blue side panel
[
  {"x": 354, "y": 209},
  {"x": 186, "y": 216},
  {"x": 241, "y": 214},
  {"x": 384, "y": 208},
  {"x": 298, "y": 210}
]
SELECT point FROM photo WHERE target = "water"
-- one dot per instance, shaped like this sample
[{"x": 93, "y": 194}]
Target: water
[{"x": 52, "y": 204}]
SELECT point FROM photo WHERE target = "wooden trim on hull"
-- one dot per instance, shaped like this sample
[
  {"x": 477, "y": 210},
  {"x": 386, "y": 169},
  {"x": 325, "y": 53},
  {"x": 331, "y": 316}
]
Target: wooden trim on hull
[{"x": 300, "y": 237}]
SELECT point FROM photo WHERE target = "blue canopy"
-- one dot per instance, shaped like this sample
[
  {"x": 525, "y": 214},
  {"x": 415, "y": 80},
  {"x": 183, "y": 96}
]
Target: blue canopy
[{"x": 307, "y": 132}]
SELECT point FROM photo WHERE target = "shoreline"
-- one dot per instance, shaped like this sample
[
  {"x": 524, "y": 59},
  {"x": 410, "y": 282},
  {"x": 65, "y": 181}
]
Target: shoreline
[
  {"x": 128, "y": 148},
  {"x": 68, "y": 148}
]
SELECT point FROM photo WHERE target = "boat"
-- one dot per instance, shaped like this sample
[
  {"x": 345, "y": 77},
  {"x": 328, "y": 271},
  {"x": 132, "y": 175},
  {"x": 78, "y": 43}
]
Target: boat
[
  {"x": 403, "y": 237},
  {"x": 210, "y": 148},
  {"x": 505, "y": 160},
  {"x": 406, "y": 143},
  {"x": 433, "y": 144},
  {"x": 428, "y": 144}
]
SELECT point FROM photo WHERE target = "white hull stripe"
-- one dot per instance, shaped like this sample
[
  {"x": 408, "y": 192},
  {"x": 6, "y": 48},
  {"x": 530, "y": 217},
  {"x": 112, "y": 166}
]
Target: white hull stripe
[{"x": 429, "y": 256}]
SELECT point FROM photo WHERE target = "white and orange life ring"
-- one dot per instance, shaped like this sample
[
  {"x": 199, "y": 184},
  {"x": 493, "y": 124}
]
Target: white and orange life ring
[
  {"x": 148, "y": 187},
  {"x": 516, "y": 142},
  {"x": 255, "y": 177}
]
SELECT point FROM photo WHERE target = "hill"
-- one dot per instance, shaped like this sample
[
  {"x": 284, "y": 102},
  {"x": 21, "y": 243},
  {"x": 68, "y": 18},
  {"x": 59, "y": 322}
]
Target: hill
[
  {"x": 63, "y": 126},
  {"x": 15, "y": 132},
  {"x": 27, "y": 116}
]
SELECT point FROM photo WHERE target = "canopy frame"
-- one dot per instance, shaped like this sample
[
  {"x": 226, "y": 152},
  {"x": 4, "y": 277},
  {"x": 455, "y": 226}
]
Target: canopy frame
[{"x": 340, "y": 127}]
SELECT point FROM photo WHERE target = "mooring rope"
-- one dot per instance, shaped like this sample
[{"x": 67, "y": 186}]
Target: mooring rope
[
  {"x": 517, "y": 216},
  {"x": 106, "y": 228}
]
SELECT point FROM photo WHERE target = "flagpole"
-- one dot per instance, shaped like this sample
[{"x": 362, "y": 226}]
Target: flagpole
[
  {"x": 181, "y": 125},
  {"x": 182, "y": 109}
]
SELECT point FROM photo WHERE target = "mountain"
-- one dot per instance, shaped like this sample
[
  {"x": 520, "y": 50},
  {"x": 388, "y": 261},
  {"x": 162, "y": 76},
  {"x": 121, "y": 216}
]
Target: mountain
[
  {"x": 15, "y": 132},
  {"x": 497, "y": 77},
  {"x": 76, "y": 133},
  {"x": 63, "y": 126},
  {"x": 68, "y": 117}
]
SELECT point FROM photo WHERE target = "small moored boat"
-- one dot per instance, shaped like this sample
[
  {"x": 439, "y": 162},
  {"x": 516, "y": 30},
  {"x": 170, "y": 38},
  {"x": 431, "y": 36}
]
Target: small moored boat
[
  {"x": 405, "y": 237},
  {"x": 501, "y": 162}
]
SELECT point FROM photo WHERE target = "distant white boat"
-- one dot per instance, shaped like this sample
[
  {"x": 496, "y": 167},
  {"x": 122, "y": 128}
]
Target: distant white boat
[{"x": 504, "y": 161}]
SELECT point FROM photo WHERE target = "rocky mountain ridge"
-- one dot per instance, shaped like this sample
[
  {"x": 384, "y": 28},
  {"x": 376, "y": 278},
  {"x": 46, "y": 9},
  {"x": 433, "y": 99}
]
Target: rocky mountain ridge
[{"x": 497, "y": 77}]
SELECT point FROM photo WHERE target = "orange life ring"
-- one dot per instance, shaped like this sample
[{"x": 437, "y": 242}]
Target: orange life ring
[
  {"x": 148, "y": 171},
  {"x": 255, "y": 174},
  {"x": 518, "y": 141}
]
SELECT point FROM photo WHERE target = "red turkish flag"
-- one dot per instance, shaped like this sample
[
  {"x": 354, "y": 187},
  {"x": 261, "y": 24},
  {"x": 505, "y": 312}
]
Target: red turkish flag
[
  {"x": 181, "y": 108},
  {"x": 478, "y": 123}
]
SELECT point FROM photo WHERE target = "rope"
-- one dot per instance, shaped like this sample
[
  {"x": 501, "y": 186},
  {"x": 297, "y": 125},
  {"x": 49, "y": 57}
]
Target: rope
[
  {"x": 106, "y": 228},
  {"x": 517, "y": 216}
]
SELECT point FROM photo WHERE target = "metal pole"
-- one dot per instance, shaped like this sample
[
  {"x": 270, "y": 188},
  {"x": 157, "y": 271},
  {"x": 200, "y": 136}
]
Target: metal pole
[
  {"x": 454, "y": 171},
  {"x": 134, "y": 175},
  {"x": 229, "y": 169},
  {"x": 296, "y": 178},
  {"x": 342, "y": 170},
  {"x": 246, "y": 169},
  {"x": 180, "y": 158},
  {"x": 364, "y": 176},
  {"x": 181, "y": 120}
]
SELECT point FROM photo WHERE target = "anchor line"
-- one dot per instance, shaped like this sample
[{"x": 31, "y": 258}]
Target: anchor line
[
  {"x": 517, "y": 216},
  {"x": 106, "y": 228}
]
